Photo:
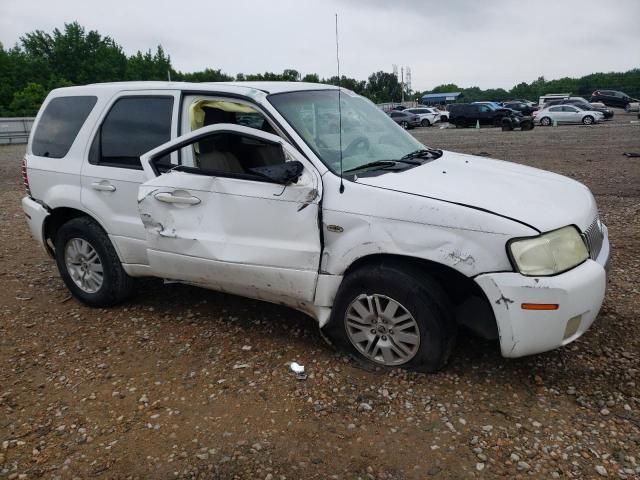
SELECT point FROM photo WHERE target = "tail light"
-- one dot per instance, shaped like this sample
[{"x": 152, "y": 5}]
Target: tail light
[{"x": 25, "y": 177}]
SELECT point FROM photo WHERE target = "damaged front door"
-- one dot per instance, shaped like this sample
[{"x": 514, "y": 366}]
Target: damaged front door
[{"x": 242, "y": 219}]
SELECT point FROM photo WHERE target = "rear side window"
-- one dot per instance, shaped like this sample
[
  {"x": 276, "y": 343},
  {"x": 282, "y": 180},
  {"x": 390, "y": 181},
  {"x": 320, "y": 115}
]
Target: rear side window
[
  {"x": 59, "y": 125},
  {"x": 133, "y": 126}
]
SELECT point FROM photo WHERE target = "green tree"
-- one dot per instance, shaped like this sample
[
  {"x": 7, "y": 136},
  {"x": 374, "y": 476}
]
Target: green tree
[
  {"x": 311, "y": 78},
  {"x": 76, "y": 55},
  {"x": 383, "y": 87},
  {"x": 27, "y": 101}
]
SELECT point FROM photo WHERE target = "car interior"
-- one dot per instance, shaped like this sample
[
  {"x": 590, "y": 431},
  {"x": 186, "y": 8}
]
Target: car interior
[{"x": 230, "y": 152}]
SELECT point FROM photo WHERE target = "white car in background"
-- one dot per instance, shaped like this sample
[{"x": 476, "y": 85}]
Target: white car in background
[
  {"x": 632, "y": 107},
  {"x": 444, "y": 114},
  {"x": 427, "y": 116},
  {"x": 566, "y": 114}
]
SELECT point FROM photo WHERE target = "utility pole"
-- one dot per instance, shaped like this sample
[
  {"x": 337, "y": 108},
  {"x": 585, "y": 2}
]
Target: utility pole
[{"x": 402, "y": 82}]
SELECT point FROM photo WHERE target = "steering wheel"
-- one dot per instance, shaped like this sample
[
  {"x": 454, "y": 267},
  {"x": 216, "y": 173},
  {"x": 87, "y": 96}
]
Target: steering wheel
[{"x": 358, "y": 145}]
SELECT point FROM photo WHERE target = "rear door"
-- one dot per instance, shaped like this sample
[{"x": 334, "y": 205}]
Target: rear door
[
  {"x": 132, "y": 124},
  {"x": 222, "y": 224},
  {"x": 557, "y": 114}
]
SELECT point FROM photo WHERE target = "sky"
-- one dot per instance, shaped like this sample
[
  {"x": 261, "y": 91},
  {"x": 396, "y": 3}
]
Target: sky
[{"x": 485, "y": 43}]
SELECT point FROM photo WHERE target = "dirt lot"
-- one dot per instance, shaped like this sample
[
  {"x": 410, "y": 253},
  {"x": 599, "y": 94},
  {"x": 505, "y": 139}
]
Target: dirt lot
[{"x": 186, "y": 383}]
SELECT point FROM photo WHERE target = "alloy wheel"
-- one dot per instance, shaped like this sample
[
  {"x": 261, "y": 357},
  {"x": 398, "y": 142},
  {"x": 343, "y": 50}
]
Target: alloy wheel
[
  {"x": 382, "y": 329},
  {"x": 84, "y": 265}
]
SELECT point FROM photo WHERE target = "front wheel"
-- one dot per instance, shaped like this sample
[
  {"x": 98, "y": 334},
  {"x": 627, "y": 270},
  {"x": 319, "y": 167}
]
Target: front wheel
[
  {"x": 89, "y": 265},
  {"x": 587, "y": 120},
  {"x": 404, "y": 124},
  {"x": 395, "y": 317}
]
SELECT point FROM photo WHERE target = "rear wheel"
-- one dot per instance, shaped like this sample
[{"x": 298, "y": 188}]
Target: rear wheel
[
  {"x": 545, "y": 121},
  {"x": 507, "y": 126},
  {"x": 89, "y": 265},
  {"x": 425, "y": 122},
  {"x": 526, "y": 126},
  {"x": 395, "y": 317},
  {"x": 587, "y": 120}
]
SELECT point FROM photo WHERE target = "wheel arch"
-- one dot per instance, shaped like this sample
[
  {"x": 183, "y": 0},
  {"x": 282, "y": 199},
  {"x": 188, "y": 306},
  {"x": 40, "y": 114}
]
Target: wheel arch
[
  {"x": 472, "y": 307},
  {"x": 58, "y": 217}
]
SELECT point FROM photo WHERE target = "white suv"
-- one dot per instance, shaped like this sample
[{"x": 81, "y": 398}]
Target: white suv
[{"x": 238, "y": 188}]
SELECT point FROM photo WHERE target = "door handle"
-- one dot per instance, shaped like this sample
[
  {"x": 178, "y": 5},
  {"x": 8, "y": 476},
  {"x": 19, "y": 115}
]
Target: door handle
[
  {"x": 171, "y": 198},
  {"x": 103, "y": 187}
]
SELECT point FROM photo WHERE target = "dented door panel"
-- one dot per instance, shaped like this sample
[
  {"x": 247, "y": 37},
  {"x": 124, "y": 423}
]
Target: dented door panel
[{"x": 244, "y": 236}]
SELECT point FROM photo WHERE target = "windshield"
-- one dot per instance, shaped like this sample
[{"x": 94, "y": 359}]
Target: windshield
[{"x": 368, "y": 134}]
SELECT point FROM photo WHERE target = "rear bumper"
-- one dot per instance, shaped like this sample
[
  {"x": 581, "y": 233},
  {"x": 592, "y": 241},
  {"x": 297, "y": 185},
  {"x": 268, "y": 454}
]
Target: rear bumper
[
  {"x": 35, "y": 214},
  {"x": 579, "y": 294}
]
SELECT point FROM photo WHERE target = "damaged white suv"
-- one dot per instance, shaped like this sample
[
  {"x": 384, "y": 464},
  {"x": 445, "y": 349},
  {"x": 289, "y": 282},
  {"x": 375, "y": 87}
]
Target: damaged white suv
[{"x": 237, "y": 187}]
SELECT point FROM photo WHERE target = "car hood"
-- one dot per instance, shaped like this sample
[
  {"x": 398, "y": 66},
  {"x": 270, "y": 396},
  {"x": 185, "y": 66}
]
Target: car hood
[{"x": 540, "y": 199}]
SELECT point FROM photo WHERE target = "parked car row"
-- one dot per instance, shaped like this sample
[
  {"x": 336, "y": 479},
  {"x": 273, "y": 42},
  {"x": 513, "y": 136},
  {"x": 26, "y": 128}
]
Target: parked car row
[{"x": 553, "y": 108}]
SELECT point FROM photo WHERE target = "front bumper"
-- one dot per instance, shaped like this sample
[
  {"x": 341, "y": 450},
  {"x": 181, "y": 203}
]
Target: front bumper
[
  {"x": 578, "y": 292},
  {"x": 35, "y": 214}
]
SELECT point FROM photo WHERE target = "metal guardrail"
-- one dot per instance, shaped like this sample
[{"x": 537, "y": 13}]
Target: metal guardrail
[{"x": 15, "y": 130}]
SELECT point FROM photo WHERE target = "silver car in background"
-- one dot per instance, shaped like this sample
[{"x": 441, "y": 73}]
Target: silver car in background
[{"x": 566, "y": 114}]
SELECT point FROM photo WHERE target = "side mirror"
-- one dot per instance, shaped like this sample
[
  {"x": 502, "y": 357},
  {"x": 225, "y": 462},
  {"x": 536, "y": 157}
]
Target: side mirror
[{"x": 282, "y": 173}]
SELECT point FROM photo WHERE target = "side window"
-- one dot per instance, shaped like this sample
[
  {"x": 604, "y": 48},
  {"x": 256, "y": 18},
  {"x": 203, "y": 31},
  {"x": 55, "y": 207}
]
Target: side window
[
  {"x": 133, "y": 126},
  {"x": 483, "y": 109},
  {"x": 59, "y": 125},
  {"x": 395, "y": 114},
  {"x": 555, "y": 109},
  {"x": 236, "y": 154}
]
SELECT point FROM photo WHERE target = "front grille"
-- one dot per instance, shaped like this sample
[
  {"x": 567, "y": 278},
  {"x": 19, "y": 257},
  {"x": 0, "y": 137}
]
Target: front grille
[{"x": 593, "y": 237}]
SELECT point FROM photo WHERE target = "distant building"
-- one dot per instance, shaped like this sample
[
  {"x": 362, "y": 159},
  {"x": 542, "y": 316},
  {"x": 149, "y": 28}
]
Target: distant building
[{"x": 441, "y": 98}]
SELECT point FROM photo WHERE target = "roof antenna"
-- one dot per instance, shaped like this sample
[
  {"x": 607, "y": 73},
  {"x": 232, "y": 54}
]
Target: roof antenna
[{"x": 339, "y": 106}]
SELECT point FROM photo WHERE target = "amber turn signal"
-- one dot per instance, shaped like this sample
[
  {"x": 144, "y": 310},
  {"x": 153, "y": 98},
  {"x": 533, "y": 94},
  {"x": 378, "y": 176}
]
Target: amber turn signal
[{"x": 540, "y": 306}]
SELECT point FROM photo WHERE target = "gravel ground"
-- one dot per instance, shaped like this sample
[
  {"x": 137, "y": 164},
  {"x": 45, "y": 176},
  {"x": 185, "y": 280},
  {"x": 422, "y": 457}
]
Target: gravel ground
[{"x": 185, "y": 383}]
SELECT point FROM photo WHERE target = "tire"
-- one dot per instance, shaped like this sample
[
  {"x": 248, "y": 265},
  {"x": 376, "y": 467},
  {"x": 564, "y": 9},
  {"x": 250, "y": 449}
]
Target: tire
[
  {"x": 524, "y": 126},
  {"x": 404, "y": 124},
  {"x": 431, "y": 324},
  {"x": 587, "y": 120},
  {"x": 545, "y": 121},
  {"x": 444, "y": 118},
  {"x": 425, "y": 122},
  {"x": 507, "y": 126},
  {"x": 73, "y": 256}
]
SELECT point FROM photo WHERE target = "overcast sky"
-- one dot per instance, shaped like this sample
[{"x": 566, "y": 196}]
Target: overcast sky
[{"x": 468, "y": 42}]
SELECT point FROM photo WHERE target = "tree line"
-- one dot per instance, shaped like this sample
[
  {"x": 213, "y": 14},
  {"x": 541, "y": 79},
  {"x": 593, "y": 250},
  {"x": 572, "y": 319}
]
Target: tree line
[{"x": 42, "y": 61}]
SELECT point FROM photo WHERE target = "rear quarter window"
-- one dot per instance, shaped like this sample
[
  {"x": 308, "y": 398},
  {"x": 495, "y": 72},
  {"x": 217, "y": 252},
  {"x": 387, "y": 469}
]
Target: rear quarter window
[{"x": 59, "y": 125}]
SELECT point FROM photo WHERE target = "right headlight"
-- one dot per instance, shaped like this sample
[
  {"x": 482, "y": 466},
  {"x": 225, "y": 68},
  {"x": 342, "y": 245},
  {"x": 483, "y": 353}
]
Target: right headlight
[{"x": 550, "y": 253}]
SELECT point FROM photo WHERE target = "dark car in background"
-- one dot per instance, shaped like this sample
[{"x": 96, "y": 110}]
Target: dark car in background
[
  {"x": 519, "y": 106},
  {"x": 404, "y": 119},
  {"x": 471, "y": 114},
  {"x": 612, "y": 98},
  {"x": 582, "y": 103}
]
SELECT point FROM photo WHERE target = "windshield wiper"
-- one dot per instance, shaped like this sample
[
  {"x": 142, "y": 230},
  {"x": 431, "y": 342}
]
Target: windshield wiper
[
  {"x": 382, "y": 164},
  {"x": 423, "y": 153}
]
